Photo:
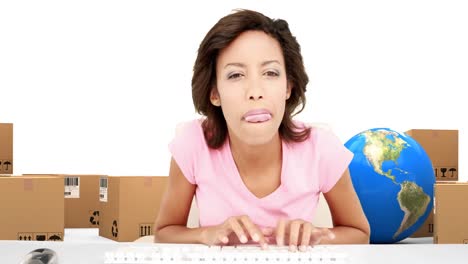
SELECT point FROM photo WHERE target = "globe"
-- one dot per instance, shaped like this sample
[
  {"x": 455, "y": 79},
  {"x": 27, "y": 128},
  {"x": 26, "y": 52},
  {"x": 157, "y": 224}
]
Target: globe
[{"x": 393, "y": 178}]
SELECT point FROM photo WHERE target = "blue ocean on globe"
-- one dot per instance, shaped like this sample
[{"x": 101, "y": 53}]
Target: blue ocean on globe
[{"x": 394, "y": 178}]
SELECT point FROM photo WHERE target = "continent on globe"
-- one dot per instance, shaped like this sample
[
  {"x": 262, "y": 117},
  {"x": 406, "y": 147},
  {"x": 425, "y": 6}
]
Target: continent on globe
[
  {"x": 379, "y": 148},
  {"x": 413, "y": 201}
]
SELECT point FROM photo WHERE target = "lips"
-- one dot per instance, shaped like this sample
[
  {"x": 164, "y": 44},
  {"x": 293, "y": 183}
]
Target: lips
[{"x": 257, "y": 116}]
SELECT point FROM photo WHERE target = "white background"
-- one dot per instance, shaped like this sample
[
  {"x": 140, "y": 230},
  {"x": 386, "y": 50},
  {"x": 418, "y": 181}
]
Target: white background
[{"x": 99, "y": 86}]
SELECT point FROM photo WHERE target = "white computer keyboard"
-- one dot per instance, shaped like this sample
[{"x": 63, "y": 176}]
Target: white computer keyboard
[{"x": 183, "y": 253}]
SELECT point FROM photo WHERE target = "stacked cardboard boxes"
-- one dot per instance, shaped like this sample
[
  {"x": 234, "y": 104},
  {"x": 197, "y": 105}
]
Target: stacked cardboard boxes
[
  {"x": 442, "y": 148},
  {"x": 40, "y": 206}
]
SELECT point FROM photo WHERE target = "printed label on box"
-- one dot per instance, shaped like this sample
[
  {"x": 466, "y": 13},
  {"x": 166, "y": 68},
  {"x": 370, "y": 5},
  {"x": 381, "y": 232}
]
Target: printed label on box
[
  {"x": 72, "y": 187},
  {"x": 103, "y": 189},
  {"x": 25, "y": 236},
  {"x": 40, "y": 236},
  {"x": 446, "y": 172},
  {"x": 6, "y": 166},
  {"x": 55, "y": 236},
  {"x": 146, "y": 229}
]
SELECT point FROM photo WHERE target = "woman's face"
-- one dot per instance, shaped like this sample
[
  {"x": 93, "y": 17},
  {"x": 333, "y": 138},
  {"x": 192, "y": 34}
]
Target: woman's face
[{"x": 251, "y": 87}]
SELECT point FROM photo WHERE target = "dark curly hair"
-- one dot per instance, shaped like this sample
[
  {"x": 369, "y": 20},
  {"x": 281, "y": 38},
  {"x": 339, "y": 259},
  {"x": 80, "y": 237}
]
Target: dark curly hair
[{"x": 219, "y": 37}]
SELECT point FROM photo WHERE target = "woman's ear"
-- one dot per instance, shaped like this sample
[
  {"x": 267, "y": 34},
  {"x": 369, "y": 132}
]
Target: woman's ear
[
  {"x": 214, "y": 97},
  {"x": 288, "y": 90}
]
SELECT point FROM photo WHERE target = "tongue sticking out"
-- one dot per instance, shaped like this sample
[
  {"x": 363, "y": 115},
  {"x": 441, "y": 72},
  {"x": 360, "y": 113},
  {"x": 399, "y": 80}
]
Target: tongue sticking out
[{"x": 257, "y": 118}]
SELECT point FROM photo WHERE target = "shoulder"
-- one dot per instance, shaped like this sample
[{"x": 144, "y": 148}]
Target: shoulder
[
  {"x": 188, "y": 136},
  {"x": 320, "y": 135},
  {"x": 321, "y": 144},
  {"x": 189, "y": 128},
  {"x": 188, "y": 147},
  {"x": 324, "y": 154}
]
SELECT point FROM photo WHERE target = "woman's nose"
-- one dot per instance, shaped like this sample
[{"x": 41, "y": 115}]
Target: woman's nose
[{"x": 255, "y": 91}]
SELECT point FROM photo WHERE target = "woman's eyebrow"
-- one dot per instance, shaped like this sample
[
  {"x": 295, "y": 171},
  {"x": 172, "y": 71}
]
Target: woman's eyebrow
[
  {"x": 270, "y": 62},
  {"x": 238, "y": 64}
]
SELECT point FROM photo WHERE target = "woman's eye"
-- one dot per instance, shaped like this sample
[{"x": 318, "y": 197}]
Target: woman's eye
[
  {"x": 234, "y": 76},
  {"x": 271, "y": 74}
]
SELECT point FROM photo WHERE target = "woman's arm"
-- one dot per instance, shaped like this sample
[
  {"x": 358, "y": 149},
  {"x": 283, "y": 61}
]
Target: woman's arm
[
  {"x": 349, "y": 221},
  {"x": 170, "y": 225}
]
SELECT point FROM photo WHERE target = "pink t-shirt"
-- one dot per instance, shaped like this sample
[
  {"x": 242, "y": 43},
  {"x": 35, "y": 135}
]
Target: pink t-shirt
[{"x": 308, "y": 168}]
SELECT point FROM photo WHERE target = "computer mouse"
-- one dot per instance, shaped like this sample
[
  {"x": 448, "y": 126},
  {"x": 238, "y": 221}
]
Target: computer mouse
[{"x": 41, "y": 256}]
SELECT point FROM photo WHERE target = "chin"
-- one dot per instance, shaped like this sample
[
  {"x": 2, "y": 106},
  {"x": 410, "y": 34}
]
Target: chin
[
  {"x": 257, "y": 141},
  {"x": 259, "y": 135}
]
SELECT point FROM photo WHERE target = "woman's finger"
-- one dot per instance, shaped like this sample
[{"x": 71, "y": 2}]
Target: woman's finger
[
  {"x": 223, "y": 238},
  {"x": 267, "y": 231},
  {"x": 305, "y": 237},
  {"x": 294, "y": 228},
  {"x": 237, "y": 228},
  {"x": 280, "y": 232},
  {"x": 253, "y": 231}
]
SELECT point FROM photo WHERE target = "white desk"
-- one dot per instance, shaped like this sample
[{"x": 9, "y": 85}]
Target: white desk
[{"x": 85, "y": 246}]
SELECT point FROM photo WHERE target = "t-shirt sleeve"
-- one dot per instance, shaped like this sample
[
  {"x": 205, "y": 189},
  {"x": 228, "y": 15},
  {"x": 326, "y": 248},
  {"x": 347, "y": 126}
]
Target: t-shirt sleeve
[
  {"x": 184, "y": 147},
  {"x": 334, "y": 159}
]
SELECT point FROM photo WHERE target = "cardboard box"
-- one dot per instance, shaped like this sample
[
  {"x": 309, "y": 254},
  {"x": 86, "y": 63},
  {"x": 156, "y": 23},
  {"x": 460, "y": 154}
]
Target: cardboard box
[
  {"x": 442, "y": 148},
  {"x": 81, "y": 193},
  {"x": 6, "y": 148},
  {"x": 129, "y": 206},
  {"x": 451, "y": 213},
  {"x": 31, "y": 208}
]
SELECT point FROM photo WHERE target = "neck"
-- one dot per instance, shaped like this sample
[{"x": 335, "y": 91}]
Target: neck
[{"x": 249, "y": 158}]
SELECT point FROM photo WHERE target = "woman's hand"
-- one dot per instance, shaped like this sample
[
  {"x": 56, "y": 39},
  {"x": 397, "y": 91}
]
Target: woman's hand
[
  {"x": 235, "y": 230},
  {"x": 300, "y": 234}
]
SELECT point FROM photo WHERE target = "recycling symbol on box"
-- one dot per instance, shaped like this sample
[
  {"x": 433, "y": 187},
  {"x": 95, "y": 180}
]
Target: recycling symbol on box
[
  {"x": 115, "y": 229},
  {"x": 94, "y": 218}
]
